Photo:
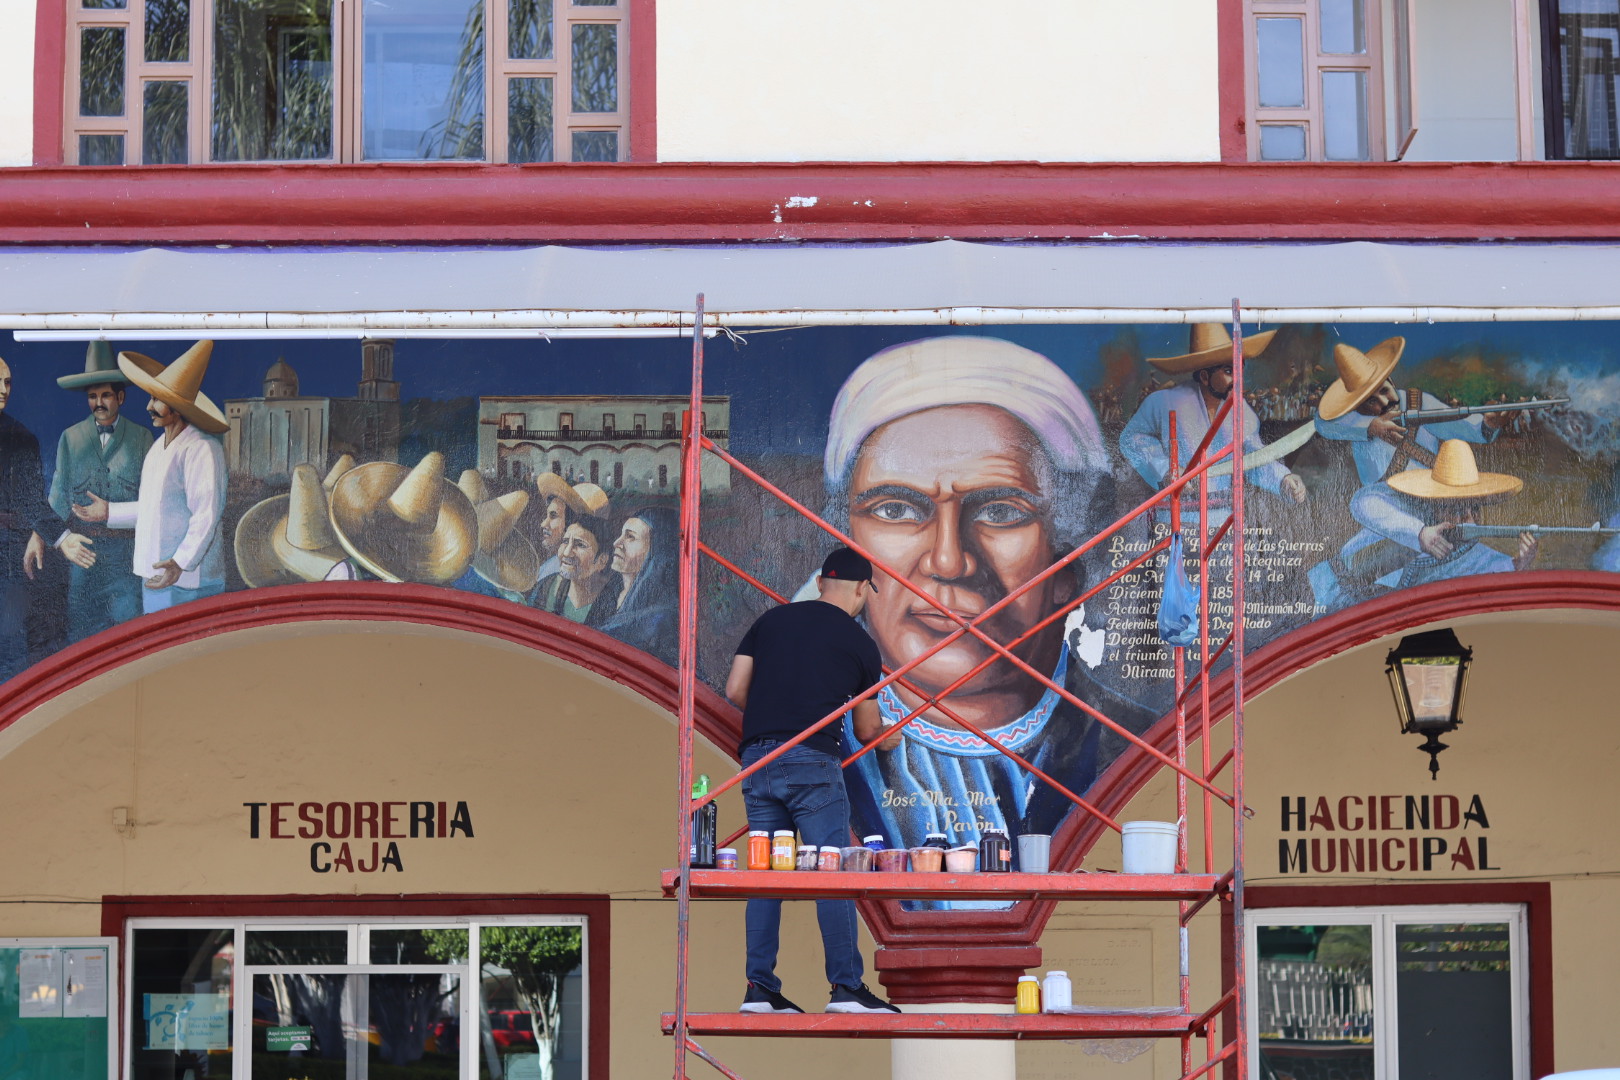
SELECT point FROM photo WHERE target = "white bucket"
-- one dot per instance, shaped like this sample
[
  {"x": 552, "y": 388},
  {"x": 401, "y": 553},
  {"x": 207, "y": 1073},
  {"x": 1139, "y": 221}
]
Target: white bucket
[{"x": 1149, "y": 847}]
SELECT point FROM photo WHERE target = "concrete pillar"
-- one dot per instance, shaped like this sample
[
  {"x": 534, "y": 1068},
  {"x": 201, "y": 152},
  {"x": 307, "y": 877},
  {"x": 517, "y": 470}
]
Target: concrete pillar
[{"x": 954, "y": 1059}]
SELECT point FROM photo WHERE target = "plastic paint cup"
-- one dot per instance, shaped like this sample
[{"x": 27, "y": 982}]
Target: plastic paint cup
[
  {"x": 1034, "y": 853},
  {"x": 1148, "y": 847}
]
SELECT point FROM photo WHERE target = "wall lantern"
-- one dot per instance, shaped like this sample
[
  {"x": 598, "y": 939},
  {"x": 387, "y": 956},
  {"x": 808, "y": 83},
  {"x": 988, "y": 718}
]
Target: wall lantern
[{"x": 1428, "y": 674}]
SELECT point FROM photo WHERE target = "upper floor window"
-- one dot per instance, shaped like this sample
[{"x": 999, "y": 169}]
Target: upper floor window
[
  {"x": 165, "y": 82},
  {"x": 1583, "y": 66}
]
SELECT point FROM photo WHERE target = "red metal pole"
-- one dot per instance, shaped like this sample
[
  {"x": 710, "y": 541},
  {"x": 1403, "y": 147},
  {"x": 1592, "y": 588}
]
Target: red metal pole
[
  {"x": 1240, "y": 1033},
  {"x": 691, "y": 498},
  {"x": 1179, "y": 655}
]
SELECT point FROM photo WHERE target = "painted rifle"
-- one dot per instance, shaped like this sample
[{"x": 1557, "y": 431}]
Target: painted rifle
[
  {"x": 1480, "y": 532},
  {"x": 1415, "y": 416}
]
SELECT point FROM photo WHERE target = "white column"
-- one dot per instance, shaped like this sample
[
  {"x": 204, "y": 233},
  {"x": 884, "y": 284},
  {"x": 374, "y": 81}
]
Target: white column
[{"x": 954, "y": 1059}]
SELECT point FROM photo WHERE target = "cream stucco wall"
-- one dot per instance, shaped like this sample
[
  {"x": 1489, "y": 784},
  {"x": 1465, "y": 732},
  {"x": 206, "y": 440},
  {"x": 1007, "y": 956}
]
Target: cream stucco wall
[
  {"x": 894, "y": 80},
  {"x": 16, "y": 82}
]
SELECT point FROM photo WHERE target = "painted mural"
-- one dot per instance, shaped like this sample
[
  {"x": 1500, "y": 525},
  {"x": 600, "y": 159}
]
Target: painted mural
[{"x": 139, "y": 475}]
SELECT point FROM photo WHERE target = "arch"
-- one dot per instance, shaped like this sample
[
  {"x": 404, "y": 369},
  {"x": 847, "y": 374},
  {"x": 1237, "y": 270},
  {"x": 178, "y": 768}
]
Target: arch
[{"x": 381, "y": 602}]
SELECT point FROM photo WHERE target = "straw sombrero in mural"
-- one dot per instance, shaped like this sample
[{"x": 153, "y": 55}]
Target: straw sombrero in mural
[
  {"x": 405, "y": 524},
  {"x": 288, "y": 538},
  {"x": 99, "y": 367},
  {"x": 342, "y": 465},
  {"x": 1455, "y": 478},
  {"x": 585, "y": 500},
  {"x": 1360, "y": 374},
  {"x": 505, "y": 556},
  {"x": 1210, "y": 345},
  {"x": 178, "y": 385}
]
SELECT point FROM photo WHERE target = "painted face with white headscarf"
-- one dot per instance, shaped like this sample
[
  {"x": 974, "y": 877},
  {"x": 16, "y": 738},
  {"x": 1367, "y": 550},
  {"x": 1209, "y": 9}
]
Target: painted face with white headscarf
[{"x": 960, "y": 461}]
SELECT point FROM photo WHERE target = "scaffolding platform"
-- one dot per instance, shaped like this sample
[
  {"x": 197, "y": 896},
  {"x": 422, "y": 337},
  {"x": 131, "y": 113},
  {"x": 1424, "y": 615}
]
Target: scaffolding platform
[
  {"x": 940, "y": 1025},
  {"x": 942, "y": 885}
]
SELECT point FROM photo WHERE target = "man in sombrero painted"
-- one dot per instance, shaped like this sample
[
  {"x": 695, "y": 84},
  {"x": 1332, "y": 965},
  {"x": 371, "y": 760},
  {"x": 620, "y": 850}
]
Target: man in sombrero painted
[
  {"x": 178, "y": 515},
  {"x": 1418, "y": 509},
  {"x": 1145, "y": 440}
]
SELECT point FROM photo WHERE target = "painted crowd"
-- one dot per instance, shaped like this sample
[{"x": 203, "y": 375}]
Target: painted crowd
[{"x": 966, "y": 463}]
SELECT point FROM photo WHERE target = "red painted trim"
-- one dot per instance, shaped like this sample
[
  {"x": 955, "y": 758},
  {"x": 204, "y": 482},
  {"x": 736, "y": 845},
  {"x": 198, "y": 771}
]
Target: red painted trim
[
  {"x": 630, "y": 201},
  {"x": 1536, "y": 896},
  {"x": 1231, "y": 81},
  {"x": 117, "y": 910},
  {"x": 50, "y": 60},
  {"x": 643, "y": 26}
]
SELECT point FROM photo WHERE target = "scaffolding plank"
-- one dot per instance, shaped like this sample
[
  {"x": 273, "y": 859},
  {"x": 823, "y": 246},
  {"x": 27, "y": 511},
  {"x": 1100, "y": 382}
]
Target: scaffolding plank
[
  {"x": 937, "y": 1025},
  {"x": 854, "y": 885}
]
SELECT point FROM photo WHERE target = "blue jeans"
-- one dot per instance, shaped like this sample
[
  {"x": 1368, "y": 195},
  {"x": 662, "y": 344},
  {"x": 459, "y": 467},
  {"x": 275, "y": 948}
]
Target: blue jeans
[
  {"x": 163, "y": 599},
  {"x": 804, "y": 790}
]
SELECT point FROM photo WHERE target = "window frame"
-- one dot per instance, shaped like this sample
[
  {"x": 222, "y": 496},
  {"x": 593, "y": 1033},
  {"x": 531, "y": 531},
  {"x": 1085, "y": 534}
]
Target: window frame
[
  {"x": 57, "y": 126},
  {"x": 1316, "y": 63}
]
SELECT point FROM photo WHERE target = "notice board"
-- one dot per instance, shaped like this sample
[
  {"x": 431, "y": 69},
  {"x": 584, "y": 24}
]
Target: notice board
[{"x": 58, "y": 1006}]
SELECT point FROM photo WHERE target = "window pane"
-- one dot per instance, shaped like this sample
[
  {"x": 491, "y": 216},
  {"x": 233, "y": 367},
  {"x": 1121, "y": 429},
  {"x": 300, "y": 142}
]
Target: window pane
[
  {"x": 1280, "y": 71},
  {"x": 423, "y": 79},
  {"x": 596, "y": 3},
  {"x": 1282, "y": 142},
  {"x": 528, "y": 30},
  {"x": 180, "y": 1007},
  {"x": 596, "y": 146},
  {"x": 299, "y": 1020},
  {"x": 1454, "y": 995},
  {"x": 287, "y": 947},
  {"x": 168, "y": 31},
  {"x": 1314, "y": 1000},
  {"x": 532, "y": 1009},
  {"x": 1344, "y": 26},
  {"x": 163, "y": 123},
  {"x": 101, "y": 71},
  {"x": 103, "y": 5},
  {"x": 596, "y": 67},
  {"x": 1588, "y": 45},
  {"x": 272, "y": 81},
  {"x": 1344, "y": 115},
  {"x": 528, "y": 120},
  {"x": 413, "y": 1021},
  {"x": 415, "y": 946},
  {"x": 101, "y": 149}
]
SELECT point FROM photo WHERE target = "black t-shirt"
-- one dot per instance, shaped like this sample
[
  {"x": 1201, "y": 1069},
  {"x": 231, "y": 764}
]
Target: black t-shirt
[{"x": 809, "y": 659}]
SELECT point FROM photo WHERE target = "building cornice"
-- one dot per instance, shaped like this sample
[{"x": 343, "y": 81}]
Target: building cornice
[{"x": 672, "y": 203}]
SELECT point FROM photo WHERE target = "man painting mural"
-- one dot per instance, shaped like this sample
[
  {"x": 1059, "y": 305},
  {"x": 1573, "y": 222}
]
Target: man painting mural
[
  {"x": 968, "y": 465},
  {"x": 23, "y": 513},
  {"x": 101, "y": 453},
  {"x": 1145, "y": 441},
  {"x": 177, "y": 516}
]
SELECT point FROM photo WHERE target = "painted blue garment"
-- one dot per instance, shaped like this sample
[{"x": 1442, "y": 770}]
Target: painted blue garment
[
  {"x": 1145, "y": 441},
  {"x": 1372, "y": 456}
]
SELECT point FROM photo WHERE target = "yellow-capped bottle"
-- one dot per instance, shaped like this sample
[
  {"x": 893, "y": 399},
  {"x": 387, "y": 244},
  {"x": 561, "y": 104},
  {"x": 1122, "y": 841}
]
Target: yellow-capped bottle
[{"x": 1029, "y": 994}]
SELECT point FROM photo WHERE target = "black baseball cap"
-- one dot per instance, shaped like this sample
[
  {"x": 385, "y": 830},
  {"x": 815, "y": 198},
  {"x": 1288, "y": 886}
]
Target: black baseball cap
[{"x": 847, "y": 565}]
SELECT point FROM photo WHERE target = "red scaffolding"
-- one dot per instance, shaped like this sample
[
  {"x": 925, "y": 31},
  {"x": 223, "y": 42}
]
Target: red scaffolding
[{"x": 1222, "y": 1026}]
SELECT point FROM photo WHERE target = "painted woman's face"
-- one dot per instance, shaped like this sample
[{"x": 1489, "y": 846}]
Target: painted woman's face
[
  {"x": 956, "y": 501},
  {"x": 631, "y": 548}
]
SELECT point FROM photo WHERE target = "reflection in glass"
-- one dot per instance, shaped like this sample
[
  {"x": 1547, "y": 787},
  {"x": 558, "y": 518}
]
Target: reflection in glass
[
  {"x": 1315, "y": 1001},
  {"x": 287, "y": 947},
  {"x": 101, "y": 149},
  {"x": 104, "y": 5},
  {"x": 305, "y": 1011},
  {"x": 164, "y": 109},
  {"x": 1590, "y": 82},
  {"x": 597, "y": 3},
  {"x": 528, "y": 120},
  {"x": 180, "y": 1002},
  {"x": 168, "y": 31},
  {"x": 1343, "y": 26},
  {"x": 1454, "y": 996},
  {"x": 101, "y": 71},
  {"x": 413, "y": 946},
  {"x": 1344, "y": 115},
  {"x": 1282, "y": 142},
  {"x": 596, "y": 67},
  {"x": 533, "y": 1009},
  {"x": 272, "y": 80},
  {"x": 595, "y": 146},
  {"x": 528, "y": 30},
  {"x": 1280, "y": 67},
  {"x": 414, "y": 1021},
  {"x": 423, "y": 79}
]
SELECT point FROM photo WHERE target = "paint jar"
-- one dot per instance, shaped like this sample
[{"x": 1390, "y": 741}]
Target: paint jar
[
  {"x": 1029, "y": 995},
  {"x": 759, "y": 850},
  {"x": 1056, "y": 992},
  {"x": 891, "y": 860},
  {"x": 927, "y": 859},
  {"x": 809, "y": 857},
  {"x": 995, "y": 852},
  {"x": 725, "y": 859},
  {"x": 856, "y": 858},
  {"x": 831, "y": 859},
  {"x": 875, "y": 842},
  {"x": 782, "y": 849},
  {"x": 935, "y": 840},
  {"x": 962, "y": 860}
]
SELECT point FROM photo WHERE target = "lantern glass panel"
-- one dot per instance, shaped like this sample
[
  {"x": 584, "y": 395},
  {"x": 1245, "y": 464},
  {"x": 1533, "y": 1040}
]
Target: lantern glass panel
[{"x": 1431, "y": 688}]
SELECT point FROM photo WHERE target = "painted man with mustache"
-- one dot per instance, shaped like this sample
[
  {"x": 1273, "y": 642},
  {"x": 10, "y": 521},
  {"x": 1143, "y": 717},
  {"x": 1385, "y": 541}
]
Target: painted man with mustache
[
  {"x": 969, "y": 465},
  {"x": 102, "y": 453}
]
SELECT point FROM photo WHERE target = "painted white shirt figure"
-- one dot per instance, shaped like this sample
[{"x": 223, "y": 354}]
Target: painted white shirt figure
[
  {"x": 1145, "y": 442},
  {"x": 180, "y": 512}
]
